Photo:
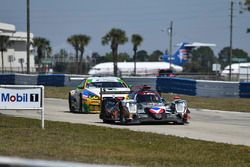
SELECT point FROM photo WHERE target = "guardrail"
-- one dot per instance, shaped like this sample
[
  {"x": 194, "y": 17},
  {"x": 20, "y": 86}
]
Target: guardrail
[{"x": 162, "y": 84}]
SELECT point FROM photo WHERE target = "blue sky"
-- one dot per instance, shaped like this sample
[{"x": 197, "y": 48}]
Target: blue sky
[{"x": 194, "y": 21}]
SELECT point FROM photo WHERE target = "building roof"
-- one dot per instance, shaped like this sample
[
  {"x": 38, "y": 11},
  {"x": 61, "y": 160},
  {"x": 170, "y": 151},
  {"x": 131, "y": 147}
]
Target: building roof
[
  {"x": 7, "y": 27},
  {"x": 10, "y": 30}
]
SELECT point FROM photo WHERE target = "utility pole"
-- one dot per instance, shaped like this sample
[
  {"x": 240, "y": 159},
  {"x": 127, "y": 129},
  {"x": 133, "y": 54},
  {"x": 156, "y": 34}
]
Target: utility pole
[
  {"x": 28, "y": 37},
  {"x": 170, "y": 32},
  {"x": 231, "y": 41}
]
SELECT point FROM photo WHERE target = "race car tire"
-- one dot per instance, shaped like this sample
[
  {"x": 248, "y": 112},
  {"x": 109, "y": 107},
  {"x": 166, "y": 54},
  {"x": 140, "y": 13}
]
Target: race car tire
[
  {"x": 103, "y": 115},
  {"x": 108, "y": 121},
  {"x": 80, "y": 103},
  {"x": 70, "y": 104},
  {"x": 179, "y": 122},
  {"x": 122, "y": 119}
]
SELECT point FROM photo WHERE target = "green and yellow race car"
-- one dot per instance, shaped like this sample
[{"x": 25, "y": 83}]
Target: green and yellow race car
[{"x": 86, "y": 97}]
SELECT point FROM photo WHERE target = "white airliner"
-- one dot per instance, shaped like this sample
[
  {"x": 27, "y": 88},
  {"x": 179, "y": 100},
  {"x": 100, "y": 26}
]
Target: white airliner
[
  {"x": 127, "y": 68},
  {"x": 179, "y": 58}
]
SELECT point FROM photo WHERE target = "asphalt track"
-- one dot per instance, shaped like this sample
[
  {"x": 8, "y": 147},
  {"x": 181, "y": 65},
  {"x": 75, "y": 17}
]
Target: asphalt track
[{"x": 209, "y": 125}]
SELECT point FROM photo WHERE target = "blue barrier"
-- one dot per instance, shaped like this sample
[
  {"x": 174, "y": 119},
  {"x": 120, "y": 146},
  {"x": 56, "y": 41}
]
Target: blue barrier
[
  {"x": 24, "y": 79},
  {"x": 162, "y": 84},
  {"x": 51, "y": 80},
  {"x": 7, "y": 79},
  {"x": 176, "y": 85},
  {"x": 244, "y": 91}
]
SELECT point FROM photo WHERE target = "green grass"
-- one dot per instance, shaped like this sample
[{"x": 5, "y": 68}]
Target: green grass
[
  {"x": 226, "y": 104},
  {"x": 91, "y": 144},
  {"x": 57, "y": 92}
]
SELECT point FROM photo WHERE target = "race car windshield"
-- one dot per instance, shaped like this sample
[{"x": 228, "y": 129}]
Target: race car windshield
[
  {"x": 148, "y": 99},
  {"x": 105, "y": 85}
]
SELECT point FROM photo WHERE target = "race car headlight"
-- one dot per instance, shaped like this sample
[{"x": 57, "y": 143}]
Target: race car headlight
[
  {"x": 89, "y": 95},
  {"x": 93, "y": 97}
]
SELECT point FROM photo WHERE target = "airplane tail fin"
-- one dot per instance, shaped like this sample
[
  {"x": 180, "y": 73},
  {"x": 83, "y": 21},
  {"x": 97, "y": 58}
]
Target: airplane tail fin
[{"x": 181, "y": 56}]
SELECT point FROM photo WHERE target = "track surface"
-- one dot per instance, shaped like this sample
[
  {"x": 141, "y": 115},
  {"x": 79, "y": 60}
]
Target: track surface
[{"x": 209, "y": 125}]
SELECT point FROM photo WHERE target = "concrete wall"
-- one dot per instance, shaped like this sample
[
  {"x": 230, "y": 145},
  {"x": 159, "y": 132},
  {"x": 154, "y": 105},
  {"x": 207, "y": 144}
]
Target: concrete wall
[{"x": 217, "y": 89}]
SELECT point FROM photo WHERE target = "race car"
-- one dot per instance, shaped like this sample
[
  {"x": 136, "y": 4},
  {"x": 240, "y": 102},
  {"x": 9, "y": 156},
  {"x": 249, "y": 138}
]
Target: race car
[
  {"x": 86, "y": 97},
  {"x": 143, "y": 105}
]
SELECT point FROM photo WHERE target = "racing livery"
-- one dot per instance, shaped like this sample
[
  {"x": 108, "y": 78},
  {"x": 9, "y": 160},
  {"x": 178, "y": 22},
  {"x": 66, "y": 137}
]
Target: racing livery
[
  {"x": 86, "y": 97},
  {"x": 144, "y": 105}
]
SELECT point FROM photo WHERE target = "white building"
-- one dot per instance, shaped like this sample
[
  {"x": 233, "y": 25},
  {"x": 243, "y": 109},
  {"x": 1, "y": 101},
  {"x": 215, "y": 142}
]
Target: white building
[{"x": 15, "y": 58}]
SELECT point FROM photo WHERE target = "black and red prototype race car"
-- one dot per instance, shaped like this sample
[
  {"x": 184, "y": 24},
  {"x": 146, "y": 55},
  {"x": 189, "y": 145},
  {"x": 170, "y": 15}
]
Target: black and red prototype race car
[{"x": 143, "y": 105}]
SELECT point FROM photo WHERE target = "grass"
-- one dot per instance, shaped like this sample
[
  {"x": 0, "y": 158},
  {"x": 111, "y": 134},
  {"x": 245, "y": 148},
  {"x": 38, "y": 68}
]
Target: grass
[
  {"x": 226, "y": 104},
  {"x": 57, "y": 92},
  {"x": 91, "y": 144}
]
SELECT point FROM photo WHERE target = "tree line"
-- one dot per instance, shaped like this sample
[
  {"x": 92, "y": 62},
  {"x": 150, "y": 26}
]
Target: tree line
[
  {"x": 113, "y": 38},
  {"x": 200, "y": 60}
]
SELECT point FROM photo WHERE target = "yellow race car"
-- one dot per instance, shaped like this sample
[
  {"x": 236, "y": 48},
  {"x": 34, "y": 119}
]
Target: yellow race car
[{"x": 86, "y": 97}]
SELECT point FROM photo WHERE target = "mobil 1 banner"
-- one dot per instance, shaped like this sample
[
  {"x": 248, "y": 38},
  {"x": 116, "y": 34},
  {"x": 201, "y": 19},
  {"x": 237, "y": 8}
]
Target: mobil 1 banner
[{"x": 20, "y": 97}]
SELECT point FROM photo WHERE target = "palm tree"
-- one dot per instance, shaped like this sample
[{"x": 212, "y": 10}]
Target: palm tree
[
  {"x": 79, "y": 41},
  {"x": 73, "y": 40},
  {"x": 136, "y": 40},
  {"x": 83, "y": 41},
  {"x": 115, "y": 37},
  {"x": 4, "y": 43},
  {"x": 43, "y": 48}
]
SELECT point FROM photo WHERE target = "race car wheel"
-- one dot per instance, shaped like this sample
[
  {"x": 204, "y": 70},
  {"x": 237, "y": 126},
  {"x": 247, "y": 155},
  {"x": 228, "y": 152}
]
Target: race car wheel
[
  {"x": 80, "y": 103},
  {"x": 122, "y": 119},
  {"x": 108, "y": 121},
  {"x": 70, "y": 104},
  {"x": 179, "y": 121}
]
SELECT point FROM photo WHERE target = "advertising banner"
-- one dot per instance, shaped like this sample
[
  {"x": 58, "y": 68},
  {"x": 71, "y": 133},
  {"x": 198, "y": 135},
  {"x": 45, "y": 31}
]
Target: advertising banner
[
  {"x": 22, "y": 97},
  {"x": 16, "y": 98}
]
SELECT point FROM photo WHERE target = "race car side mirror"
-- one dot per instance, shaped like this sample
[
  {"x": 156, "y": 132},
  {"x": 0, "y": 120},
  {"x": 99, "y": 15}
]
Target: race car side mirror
[{"x": 79, "y": 86}]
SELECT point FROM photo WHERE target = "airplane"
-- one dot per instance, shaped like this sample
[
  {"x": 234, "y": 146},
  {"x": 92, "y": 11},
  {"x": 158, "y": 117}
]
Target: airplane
[
  {"x": 179, "y": 59},
  {"x": 127, "y": 68},
  {"x": 239, "y": 71}
]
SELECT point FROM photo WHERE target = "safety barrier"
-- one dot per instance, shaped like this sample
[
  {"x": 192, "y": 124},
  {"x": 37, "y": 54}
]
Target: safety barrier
[
  {"x": 24, "y": 79},
  {"x": 176, "y": 85},
  {"x": 162, "y": 84},
  {"x": 51, "y": 80},
  {"x": 217, "y": 89},
  {"x": 7, "y": 79},
  {"x": 244, "y": 91}
]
